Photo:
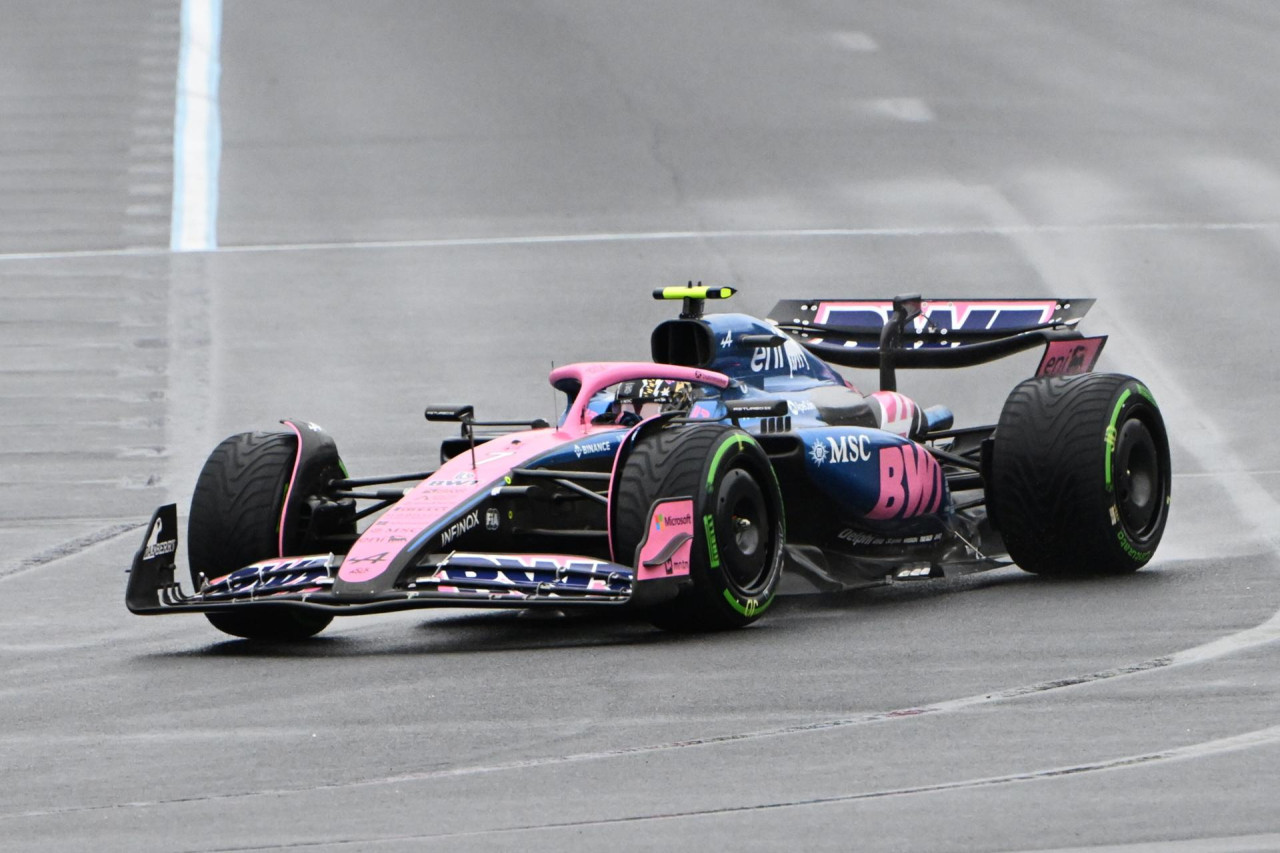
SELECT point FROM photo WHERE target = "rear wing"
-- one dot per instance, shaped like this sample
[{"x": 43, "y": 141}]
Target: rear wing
[{"x": 912, "y": 332}]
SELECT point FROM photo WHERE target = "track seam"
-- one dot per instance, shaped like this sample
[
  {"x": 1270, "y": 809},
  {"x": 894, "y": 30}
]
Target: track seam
[
  {"x": 1249, "y": 740},
  {"x": 70, "y": 548},
  {"x": 1262, "y": 634}
]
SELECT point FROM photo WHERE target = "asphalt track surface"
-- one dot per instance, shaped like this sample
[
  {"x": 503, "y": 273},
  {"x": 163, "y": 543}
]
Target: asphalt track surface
[{"x": 435, "y": 202}]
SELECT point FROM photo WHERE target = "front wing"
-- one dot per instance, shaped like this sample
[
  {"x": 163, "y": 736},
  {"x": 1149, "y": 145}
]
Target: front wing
[{"x": 456, "y": 579}]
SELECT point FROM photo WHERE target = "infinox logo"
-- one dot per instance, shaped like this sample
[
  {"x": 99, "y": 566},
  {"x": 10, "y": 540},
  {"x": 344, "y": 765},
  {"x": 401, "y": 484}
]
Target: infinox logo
[{"x": 468, "y": 522}]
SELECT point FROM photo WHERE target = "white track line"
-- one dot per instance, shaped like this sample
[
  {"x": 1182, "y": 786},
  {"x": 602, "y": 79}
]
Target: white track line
[
  {"x": 664, "y": 236},
  {"x": 197, "y": 130},
  {"x": 1268, "y": 737},
  {"x": 1223, "y": 844}
]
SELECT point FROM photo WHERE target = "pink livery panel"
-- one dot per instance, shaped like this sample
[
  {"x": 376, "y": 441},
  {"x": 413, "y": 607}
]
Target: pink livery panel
[
  {"x": 437, "y": 497},
  {"x": 668, "y": 544}
]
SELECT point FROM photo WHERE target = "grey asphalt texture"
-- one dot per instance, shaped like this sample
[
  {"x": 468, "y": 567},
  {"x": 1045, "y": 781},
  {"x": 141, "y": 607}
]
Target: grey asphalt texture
[{"x": 433, "y": 203}]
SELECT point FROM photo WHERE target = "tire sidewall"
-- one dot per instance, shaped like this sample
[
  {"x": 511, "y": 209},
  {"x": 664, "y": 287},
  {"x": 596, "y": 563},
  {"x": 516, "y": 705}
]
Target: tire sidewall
[
  {"x": 1134, "y": 401},
  {"x": 732, "y": 451}
]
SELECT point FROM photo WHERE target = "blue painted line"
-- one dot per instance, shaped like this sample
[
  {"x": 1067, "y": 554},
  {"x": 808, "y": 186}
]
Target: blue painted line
[{"x": 197, "y": 129}]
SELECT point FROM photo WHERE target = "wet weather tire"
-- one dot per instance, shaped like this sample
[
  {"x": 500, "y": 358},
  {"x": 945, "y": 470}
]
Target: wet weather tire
[
  {"x": 1080, "y": 475},
  {"x": 235, "y": 520},
  {"x": 736, "y": 557}
]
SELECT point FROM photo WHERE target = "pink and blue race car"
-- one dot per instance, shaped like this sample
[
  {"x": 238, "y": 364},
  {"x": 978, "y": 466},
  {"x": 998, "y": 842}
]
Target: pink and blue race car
[{"x": 696, "y": 487}]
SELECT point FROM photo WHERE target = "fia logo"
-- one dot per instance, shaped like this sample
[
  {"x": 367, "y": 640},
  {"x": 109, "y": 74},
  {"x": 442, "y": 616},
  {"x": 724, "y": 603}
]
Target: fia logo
[{"x": 491, "y": 519}]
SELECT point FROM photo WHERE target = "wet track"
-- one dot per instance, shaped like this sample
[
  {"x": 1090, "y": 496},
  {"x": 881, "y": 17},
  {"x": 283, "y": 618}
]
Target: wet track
[{"x": 435, "y": 202}]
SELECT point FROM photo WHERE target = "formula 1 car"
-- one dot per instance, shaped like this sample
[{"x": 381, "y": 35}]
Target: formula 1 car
[{"x": 695, "y": 487}]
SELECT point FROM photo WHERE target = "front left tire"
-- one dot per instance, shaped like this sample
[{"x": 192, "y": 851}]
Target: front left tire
[
  {"x": 236, "y": 513},
  {"x": 739, "y": 533}
]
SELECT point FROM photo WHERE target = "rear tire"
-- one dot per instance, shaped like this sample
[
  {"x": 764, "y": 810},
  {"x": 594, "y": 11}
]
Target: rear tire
[
  {"x": 235, "y": 516},
  {"x": 1080, "y": 475},
  {"x": 736, "y": 558}
]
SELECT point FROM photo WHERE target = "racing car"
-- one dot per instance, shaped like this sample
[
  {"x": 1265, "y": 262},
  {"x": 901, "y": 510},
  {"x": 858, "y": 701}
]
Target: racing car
[{"x": 696, "y": 487}]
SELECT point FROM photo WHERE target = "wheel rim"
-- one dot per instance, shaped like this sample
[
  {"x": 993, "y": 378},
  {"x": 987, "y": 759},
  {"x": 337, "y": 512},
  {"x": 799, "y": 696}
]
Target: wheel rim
[
  {"x": 742, "y": 525},
  {"x": 1139, "y": 480}
]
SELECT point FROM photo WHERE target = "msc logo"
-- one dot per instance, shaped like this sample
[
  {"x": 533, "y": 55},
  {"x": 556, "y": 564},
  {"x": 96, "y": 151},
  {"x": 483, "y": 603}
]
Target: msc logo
[{"x": 841, "y": 448}]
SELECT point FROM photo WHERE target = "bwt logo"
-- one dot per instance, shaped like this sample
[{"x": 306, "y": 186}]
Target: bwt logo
[
  {"x": 910, "y": 483},
  {"x": 959, "y": 315}
]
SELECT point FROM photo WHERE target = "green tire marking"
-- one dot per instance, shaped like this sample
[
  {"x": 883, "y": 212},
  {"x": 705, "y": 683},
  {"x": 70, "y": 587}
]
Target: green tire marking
[
  {"x": 1111, "y": 434},
  {"x": 1134, "y": 554},
  {"x": 738, "y": 440},
  {"x": 713, "y": 550},
  {"x": 751, "y": 608}
]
